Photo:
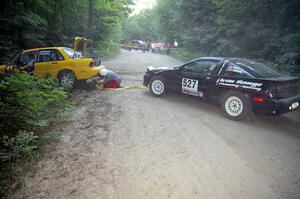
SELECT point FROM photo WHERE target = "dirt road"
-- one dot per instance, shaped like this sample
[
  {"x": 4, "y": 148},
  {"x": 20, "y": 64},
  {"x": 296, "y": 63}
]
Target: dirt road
[{"x": 129, "y": 145}]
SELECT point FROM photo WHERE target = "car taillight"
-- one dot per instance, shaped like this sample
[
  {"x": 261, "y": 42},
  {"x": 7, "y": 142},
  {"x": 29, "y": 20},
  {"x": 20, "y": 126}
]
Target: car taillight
[
  {"x": 258, "y": 99},
  {"x": 92, "y": 64}
]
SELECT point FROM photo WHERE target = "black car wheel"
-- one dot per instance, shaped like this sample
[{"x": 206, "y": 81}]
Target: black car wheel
[
  {"x": 67, "y": 79},
  {"x": 157, "y": 86},
  {"x": 235, "y": 105}
]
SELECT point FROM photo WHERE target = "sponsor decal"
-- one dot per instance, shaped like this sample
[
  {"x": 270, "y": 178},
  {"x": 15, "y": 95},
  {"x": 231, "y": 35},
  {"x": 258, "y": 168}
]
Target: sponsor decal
[{"x": 239, "y": 84}]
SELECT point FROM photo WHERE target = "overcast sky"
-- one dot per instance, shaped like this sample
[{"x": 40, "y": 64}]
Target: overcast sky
[{"x": 142, "y": 5}]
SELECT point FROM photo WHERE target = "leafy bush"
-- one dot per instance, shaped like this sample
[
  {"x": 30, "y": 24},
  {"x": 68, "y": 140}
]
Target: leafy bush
[
  {"x": 184, "y": 54},
  {"x": 27, "y": 106},
  {"x": 22, "y": 145},
  {"x": 28, "y": 103}
]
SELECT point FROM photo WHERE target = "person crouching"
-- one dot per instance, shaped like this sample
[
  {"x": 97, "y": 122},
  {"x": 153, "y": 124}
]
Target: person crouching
[{"x": 110, "y": 79}]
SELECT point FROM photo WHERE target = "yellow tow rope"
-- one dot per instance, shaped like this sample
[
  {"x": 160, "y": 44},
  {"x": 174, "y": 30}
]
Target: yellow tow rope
[{"x": 122, "y": 88}]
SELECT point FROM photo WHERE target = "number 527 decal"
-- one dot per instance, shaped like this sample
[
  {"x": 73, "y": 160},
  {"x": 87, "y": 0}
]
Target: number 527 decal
[
  {"x": 190, "y": 86},
  {"x": 189, "y": 83}
]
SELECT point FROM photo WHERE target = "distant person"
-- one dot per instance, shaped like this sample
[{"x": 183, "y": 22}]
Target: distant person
[
  {"x": 169, "y": 45},
  {"x": 149, "y": 46},
  {"x": 111, "y": 79},
  {"x": 153, "y": 47},
  {"x": 129, "y": 45},
  {"x": 175, "y": 43},
  {"x": 160, "y": 46}
]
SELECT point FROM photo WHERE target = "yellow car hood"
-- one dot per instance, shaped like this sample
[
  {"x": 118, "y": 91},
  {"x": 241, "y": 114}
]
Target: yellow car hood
[{"x": 80, "y": 44}]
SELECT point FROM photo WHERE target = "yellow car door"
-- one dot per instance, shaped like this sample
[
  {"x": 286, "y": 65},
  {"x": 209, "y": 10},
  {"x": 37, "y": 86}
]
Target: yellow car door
[
  {"x": 41, "y": 68},
  {"x": 57, "y": 63},
  {"x": 49, "y": 62}
]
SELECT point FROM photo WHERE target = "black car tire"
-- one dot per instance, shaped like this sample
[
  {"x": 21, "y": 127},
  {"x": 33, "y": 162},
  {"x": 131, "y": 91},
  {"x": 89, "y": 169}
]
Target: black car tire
[
  {"x": 67, "y": 79},
  {"x": 235, "y": 105},
  {"x": 157, "y": 86}
]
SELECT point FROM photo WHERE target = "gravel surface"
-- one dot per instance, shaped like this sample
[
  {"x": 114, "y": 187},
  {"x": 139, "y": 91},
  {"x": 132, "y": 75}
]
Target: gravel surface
[{"x": 127, "y": 144}]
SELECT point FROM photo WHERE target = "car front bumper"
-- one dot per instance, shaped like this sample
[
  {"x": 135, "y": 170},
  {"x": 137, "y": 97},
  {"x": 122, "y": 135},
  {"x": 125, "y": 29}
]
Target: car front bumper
[
  {"x": 147, "y": 78},
  {"x": 94, "y": 79}
]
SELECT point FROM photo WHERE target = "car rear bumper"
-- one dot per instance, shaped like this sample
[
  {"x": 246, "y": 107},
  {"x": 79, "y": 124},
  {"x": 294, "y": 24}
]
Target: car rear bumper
[
  {"x": 87, "y": 73},
  {"x": 276, "y": 106}
]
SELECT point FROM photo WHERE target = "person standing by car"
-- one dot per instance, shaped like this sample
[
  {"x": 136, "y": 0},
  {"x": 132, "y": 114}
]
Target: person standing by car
[
  {"x": 111, "y": 79},
  {"x": 175, "y": 43},
  {"x": 149, "y": 44}
]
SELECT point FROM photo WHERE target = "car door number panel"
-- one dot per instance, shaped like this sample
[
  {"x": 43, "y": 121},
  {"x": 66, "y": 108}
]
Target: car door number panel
[{"x": 190, "y": 87}]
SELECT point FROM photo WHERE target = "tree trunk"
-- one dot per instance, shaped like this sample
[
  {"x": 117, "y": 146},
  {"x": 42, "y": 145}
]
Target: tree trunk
[{"x": 90, "y": 22}]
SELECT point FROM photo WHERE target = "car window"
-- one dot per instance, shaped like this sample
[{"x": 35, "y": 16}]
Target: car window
[
  {"x": 255, "y": 68},
  {"x": 69, "y": 51},
  {"x": 201, "y": 66},
  {"x": 233, "y": 70},
  {"x": 49, "y": 55},
  {"x": 26, "y": 58}
]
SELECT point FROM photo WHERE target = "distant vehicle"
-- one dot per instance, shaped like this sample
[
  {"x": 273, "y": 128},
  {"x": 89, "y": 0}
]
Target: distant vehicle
[
  {"x": 157, "y": 47},
  {"x": 136, "y": 45},
  {"x": 62, "y": 63},
  {"x": 240, "y": 86}
]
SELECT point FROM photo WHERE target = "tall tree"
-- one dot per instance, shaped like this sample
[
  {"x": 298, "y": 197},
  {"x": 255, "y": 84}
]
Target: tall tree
[
  {"x": 90, "y": 19},
  {"x": 258, "y": 29}
]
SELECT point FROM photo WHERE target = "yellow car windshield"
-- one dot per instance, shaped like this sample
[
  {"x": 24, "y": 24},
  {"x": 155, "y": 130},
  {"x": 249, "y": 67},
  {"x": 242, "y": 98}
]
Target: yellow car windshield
[{"x": 69, "y": 52}]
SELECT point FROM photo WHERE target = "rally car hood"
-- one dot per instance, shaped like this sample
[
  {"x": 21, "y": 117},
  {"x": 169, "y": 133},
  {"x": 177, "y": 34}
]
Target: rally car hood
[{"x": 159, "y": 69}]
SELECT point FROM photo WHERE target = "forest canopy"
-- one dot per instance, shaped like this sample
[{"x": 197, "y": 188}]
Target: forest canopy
[
  {"x": 268, "y": 30},
  {"x": 38, "y": 23}
]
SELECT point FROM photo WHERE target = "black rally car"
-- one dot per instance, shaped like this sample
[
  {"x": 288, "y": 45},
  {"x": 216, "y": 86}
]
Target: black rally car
[{"x": 240, "y": 86}]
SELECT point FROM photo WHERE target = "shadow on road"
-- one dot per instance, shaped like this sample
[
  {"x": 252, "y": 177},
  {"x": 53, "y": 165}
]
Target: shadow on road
[{"x": 288, "y": 123}]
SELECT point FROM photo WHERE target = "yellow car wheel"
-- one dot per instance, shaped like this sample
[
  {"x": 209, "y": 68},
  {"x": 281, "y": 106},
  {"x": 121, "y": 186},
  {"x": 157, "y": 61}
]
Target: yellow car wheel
[{"x": 67, "y": 80}]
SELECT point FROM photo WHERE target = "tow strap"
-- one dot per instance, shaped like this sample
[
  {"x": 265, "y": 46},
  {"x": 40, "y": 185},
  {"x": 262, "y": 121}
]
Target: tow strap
[{"x": 122, "y": 88}]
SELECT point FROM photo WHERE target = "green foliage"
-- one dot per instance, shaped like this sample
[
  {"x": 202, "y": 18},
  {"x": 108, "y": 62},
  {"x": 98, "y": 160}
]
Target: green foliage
[
  {"x": 141, "y": 27},
  {"x": 183, "y": 54},
  {"x": 258, "y": 29},
  {"x": 107, "y": 25},
  {"x": 27, "y": 102},
  {"x": 22, "y": 145},
  {"x": 28, "y": 105},
  {"x": 37, "y": 23}
]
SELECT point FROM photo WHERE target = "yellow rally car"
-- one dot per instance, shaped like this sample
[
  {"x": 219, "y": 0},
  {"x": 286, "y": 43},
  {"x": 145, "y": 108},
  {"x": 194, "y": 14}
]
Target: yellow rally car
[{"x": 62, "y": 63}]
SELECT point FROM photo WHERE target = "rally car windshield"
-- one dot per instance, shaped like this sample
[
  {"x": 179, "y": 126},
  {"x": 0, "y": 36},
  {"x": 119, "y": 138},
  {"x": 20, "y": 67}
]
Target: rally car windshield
[{"x": 256, "y": 68}]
